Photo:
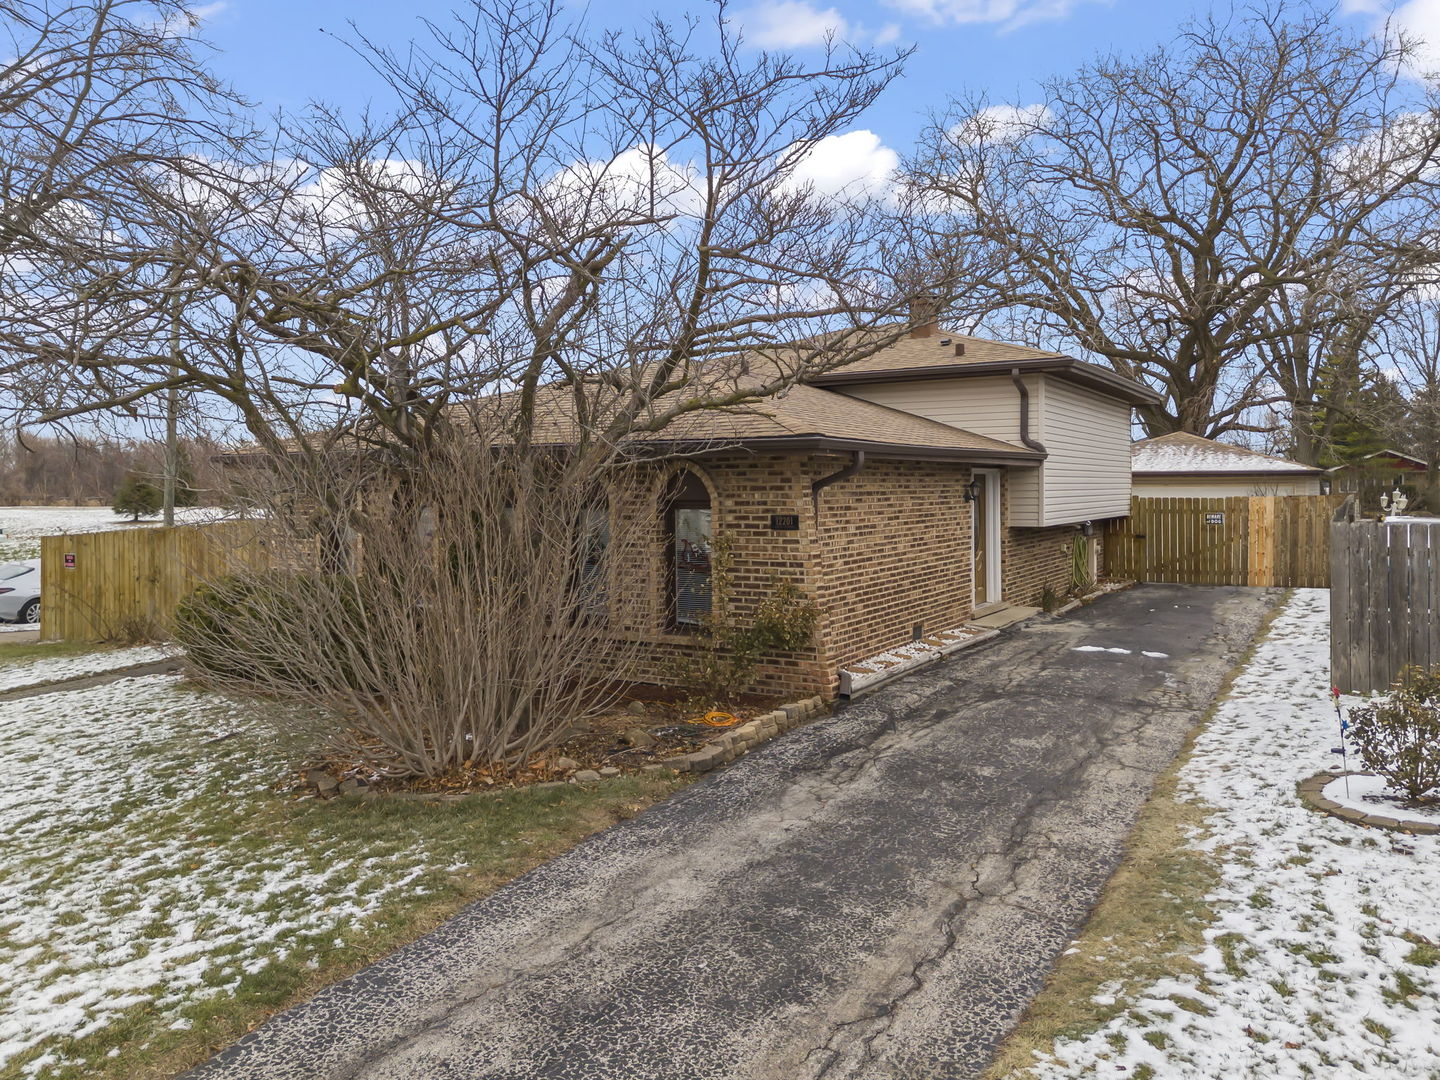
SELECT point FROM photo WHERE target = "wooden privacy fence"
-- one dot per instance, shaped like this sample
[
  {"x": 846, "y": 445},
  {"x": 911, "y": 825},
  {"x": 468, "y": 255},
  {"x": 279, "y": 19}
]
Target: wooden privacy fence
[
  {"x": 127, "y": 584},
  {"x": 1266, "y": 540},
  {"x": 1384, "y": 600}
]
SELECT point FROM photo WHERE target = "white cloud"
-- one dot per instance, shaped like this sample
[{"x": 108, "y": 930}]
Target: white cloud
[
  {"x": 1011, "y": 14},
  {"x": 1001, "y": 123},
  {"x": 792, "y": 24},
  {"x": 1416, "y": 19},
  {"x": 800, "y": 24},
  {"x": 188, "y": 20},
  {"x": 1421, "y": 19},
  {"x": 853, "y": 166},
  {"x": 640, "y": 184}
]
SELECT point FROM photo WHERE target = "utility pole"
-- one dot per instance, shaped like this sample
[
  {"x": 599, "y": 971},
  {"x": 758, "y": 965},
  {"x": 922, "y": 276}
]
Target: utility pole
[{"x": 172, "y": 407}]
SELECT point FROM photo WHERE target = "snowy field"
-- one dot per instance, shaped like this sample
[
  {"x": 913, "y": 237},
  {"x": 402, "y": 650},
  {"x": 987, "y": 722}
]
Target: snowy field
[
  {"x": 39, "y": 672},
  {"x": 23, "y": 526},
  {"x": 1323, "y": 959},
  {"x": 146, "y": 866}
]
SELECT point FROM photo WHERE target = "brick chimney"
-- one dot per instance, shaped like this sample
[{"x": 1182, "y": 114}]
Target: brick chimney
[{"x": 924, "y": 316}]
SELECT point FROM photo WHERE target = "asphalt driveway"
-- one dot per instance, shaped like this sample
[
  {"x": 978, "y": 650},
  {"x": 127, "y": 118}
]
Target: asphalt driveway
[{"x": 876, "y": 895}]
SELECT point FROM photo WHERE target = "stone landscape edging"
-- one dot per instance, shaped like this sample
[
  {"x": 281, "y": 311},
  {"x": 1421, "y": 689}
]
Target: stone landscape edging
[
  {"x": 740, "y": 741},
  {"x": 1311, "y": 792}
]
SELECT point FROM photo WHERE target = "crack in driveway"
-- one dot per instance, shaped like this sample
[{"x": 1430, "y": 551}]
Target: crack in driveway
[{"x": 874, "y": 896}]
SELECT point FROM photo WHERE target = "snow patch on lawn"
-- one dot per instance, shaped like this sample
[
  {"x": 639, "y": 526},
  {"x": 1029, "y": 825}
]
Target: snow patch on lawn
[
  {"x": 54, "y": 669},
  {"x": 132, "y": 873},
  {"x": 1311, "y": 968},
  {"x": 1368, "y": 795}
]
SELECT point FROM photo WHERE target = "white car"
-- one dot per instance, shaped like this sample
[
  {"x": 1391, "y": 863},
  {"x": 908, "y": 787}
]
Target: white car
[{"x": 20, "y": 591}]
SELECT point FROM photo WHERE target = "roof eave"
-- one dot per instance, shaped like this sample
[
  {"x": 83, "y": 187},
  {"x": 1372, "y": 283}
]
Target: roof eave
[
  {"x": 898, "y": 451},
  {"x": 1211, "y": 473},
  {"x": 1106, "y": 382}
]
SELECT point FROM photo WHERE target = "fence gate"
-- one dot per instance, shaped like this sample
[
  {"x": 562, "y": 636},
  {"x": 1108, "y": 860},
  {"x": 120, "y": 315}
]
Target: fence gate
[
  {"x": 1264, "y": 540},
  {"x": 1384, "y": 600}
]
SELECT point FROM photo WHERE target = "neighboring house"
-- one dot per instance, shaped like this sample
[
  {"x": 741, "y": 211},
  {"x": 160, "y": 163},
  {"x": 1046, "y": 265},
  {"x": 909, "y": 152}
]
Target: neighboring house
[
  {"x": 1375, "y": 474},
  {"x": 1181, "y": 465},
  {"x": 942, "y": 477}
]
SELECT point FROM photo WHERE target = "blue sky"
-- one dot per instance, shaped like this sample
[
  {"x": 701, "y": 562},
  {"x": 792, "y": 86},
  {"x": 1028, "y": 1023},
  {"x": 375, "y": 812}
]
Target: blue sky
[{"x": 276, "y": 53}]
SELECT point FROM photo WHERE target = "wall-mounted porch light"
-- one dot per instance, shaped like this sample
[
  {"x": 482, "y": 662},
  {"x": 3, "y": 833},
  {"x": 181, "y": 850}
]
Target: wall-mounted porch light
[{"x": 971, "y": 491}]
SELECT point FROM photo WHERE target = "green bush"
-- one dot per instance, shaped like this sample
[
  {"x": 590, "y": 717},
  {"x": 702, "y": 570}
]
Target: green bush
[
  {"x": 256, "y": 630},
  {"x": 1398, "y": 735}
]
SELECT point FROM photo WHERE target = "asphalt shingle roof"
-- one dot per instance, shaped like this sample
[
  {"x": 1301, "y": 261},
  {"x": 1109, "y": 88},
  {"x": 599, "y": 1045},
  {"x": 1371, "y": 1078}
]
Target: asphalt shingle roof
[{"x": 1182, "y": 452}]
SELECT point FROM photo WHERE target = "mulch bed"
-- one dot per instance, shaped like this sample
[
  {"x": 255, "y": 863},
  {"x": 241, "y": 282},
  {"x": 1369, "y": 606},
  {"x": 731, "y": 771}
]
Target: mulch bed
[{"x": 607, "y": 741}]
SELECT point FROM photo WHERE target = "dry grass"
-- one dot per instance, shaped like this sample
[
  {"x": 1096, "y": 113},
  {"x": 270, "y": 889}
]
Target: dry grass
[
  {"x": 1150, "y": 919},
  {"x": 15, "y": 652}
]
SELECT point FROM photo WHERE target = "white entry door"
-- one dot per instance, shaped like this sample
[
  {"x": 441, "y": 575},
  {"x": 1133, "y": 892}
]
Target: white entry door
[{"x": 985, "y": 536}]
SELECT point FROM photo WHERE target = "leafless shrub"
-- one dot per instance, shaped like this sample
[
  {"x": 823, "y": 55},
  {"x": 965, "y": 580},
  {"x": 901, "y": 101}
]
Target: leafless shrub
[{"x": 458, "y": 616}]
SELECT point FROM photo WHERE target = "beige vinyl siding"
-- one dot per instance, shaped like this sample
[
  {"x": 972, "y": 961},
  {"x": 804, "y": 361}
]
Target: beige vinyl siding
[
  {"x": 1087, "y": 472},
  {"x": 986, "y": 406},
  {"x": 1221, "y": 487}
]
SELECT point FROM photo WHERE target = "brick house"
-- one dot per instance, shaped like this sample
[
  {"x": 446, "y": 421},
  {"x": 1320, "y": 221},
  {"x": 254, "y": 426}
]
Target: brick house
[{"x": 940, "y": 479}]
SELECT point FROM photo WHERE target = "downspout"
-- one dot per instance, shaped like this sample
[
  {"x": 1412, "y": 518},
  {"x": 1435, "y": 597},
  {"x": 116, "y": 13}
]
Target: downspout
[
  {"x": 1033, "y": 444},
  {"x": 834, "y": 478}
]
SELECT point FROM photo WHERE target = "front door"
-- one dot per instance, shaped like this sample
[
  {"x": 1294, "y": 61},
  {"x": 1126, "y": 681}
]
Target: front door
[{"x": 985, "y": 536}]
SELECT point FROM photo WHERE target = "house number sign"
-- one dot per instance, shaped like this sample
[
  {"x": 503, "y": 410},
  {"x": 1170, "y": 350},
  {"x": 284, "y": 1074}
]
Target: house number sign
[
  {"x": 1215, "y": 519},
  {"x": 784, "y": 522}
]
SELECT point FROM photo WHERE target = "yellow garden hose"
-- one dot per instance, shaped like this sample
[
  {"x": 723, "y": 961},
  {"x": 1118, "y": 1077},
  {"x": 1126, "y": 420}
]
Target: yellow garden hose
[{"x": 716, "y": 718}]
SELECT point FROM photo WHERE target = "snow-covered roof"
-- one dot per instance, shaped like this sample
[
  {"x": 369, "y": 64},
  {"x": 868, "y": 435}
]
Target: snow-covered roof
[{"x": 1182, "y": 453}]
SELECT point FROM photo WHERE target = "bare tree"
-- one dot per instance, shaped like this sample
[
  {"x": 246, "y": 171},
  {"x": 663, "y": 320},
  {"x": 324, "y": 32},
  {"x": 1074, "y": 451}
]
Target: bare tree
[
  {"x": 542, "y": 206},
  {"x": 457, "y": 332},
  {"x": 89, "y": 91},
  {"x": 1208, "y": 218},
  {"x": 1409, "y": 347},
  {"x": 97, "y": 98}
]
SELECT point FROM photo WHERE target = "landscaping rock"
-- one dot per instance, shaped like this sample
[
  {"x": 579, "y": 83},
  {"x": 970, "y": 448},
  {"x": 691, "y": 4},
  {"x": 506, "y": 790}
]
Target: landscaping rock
[
  {"x": 565, "y": 764},
  {"x": 351, "y": 787},
  {"x": 324, "y": 784},
  {"x": 639, "y": 738},
  {"x": 656, "y": 769},
  {"x": 609, "y": 771},
  {"x": 587, "y": 776},
  {"x": 637, "y": 708}
]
